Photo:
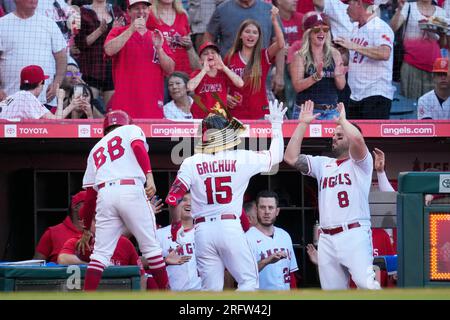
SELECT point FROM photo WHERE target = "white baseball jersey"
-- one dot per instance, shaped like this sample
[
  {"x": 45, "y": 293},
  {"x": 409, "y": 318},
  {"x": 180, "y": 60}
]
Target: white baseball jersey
[
  {"x": 113, "y": 158},
  {"x": 428, "y": 106},
  {"x": 181, "y": 277},
  {"x": 275, "y": 276},
  {"x": 343, "y": 189},
  {"x": 369, "y": 77},
  {"x": 218, "y": 181},
  {"x": 340, "y": 23},
  {"x": 22, "y": 105}
]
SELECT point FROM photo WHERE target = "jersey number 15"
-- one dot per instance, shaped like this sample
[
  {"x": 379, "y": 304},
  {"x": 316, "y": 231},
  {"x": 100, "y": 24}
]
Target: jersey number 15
[{"x": 218, "y": 190}]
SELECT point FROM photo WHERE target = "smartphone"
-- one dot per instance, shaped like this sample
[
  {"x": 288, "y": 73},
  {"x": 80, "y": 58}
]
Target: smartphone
[{"x": 77, "y": 91}]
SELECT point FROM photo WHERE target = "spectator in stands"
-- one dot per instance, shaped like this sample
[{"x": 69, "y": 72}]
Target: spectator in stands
[
  {"x": 421, "y": 48},
  {"x": 97, "y": 20},
  {"x": 180, "y": 106},
  {"x": 250, "y": 212},
  {"x": 24, "y": 104},
  {"x": 252, "y": 63},
  {"x": 227, "y": 18},
  {"x": 317, "y": 70},
  {"x": 83, "y": 104},
  {"x": 72, "y": 77},
  {"x": 370, "y": 62},
  {"x": 200, "y": 12},
  {"x": 27, "y": 38},
  {"x": 435, "y": 104},
  {"x": 293, "y": 30},
  {"x": 53, "y": 239},
  {"x": 213, "y": 78},
  {"x": 140, "y": 60},
  {"x": 171, "y": 19},
  {"x": 59, "y": 11}
]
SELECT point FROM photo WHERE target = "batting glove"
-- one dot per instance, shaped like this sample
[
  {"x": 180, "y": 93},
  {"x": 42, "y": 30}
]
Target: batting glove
[{"x": 277, "y": 113}]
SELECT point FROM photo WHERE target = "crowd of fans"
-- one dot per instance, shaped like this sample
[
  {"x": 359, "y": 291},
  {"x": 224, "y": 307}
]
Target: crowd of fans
[{"x": 176, "y": 59}]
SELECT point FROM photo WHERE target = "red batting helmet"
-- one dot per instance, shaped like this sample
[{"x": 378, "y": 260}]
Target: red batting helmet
[{"x": 116, "y": 118}]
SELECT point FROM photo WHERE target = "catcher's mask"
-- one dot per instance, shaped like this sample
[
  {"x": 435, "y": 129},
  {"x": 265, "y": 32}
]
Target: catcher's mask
[{"x": 218, "y": 133}]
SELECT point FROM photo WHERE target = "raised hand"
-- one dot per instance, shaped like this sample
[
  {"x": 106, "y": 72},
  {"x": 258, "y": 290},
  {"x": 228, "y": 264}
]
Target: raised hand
[
  {"x": 306, "y": 112},
  {"x": 274, "y": 13},
  {"x": 206, "y": 66},
  {"x": 158, "y": 39},
  {"x": 379, "y": 160},
  {"x": 219, "y": 62},
  {"x": 276, "y": 112},
  {"x": 139, "y": 25},
  {"x": 186, "y": 42},
  {"x": 118, "y": 22},
  {"x": 156, "y": 204},
  {"x": 342, "y": 116}
]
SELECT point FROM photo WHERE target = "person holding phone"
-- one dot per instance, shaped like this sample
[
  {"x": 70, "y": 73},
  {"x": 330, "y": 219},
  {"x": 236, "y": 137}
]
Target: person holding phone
[
  {"x": 82, "y": 102},
  {"x": 317, "y": 70}
]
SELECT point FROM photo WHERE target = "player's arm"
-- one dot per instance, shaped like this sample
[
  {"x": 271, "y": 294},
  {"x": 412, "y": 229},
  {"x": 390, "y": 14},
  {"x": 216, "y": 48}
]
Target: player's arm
[
  {"x": 64, "y": 258},
  {"x": 293, "y": 155},
  {"x": 180, "y": 186},
  {"x": 143, "y": 159},
  {"x": 277, "y": 256},
  {"x": 379, "y": 162},
  {"x": 276, "y": 117},
  {"x": 358, "y": 148}
]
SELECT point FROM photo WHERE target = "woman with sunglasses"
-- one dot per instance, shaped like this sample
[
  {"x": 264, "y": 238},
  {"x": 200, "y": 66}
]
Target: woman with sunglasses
[
  {"x": 317, "y": 70},
  {"x": 247, "y": 59}
]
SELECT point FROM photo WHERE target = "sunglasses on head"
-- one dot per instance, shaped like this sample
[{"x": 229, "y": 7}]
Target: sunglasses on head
[{"x": 317, "y": 29}]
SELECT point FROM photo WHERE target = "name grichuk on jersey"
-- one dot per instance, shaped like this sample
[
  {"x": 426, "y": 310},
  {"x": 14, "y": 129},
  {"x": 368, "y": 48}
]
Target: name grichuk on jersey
[
  {"x": 343, "y": 188},
  {"x": 113, "y": 158},
  {"x": 275, "y": 276},
  {"x": 181, "y": 277}
]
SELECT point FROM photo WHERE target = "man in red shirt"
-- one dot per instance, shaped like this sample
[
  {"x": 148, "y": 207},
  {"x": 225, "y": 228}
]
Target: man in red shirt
[
  {"x": 54, "y": 237},
  {"x": 140, "y": 60}
]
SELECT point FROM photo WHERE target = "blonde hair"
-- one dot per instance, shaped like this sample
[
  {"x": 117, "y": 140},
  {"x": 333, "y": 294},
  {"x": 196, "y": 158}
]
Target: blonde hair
[
  {"x": 306, "y": 52},
  {"x": 253, "y": 69},
  {"x": 176, "y": 5}
]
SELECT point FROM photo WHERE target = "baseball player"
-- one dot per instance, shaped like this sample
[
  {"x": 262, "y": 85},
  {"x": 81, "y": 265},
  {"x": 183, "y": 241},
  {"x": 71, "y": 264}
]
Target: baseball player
[
  {"x": 117, "y": 168},
  {"x": 217, "y": 177},
  {"x": 272, "y": 246},
  {"x": 345, "y": 244},
  {"x": 179, "y": 242}
]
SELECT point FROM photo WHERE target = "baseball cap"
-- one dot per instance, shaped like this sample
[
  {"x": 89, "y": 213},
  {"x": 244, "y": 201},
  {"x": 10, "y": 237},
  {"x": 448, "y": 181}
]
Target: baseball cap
[
  {"x": 132, "y": 2},
  {"x": 440, "y": 65},
  {"x": 77, "y": 198},
  {"x": 312, "y": 19},
  {"x": 369, "y": 2},
  {"x": 32, "y": 74},
  {"x": 208, "y": 44}
]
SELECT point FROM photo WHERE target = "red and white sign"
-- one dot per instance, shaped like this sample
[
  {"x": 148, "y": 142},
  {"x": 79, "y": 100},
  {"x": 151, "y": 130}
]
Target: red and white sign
[{"x": 172, "y": 130}]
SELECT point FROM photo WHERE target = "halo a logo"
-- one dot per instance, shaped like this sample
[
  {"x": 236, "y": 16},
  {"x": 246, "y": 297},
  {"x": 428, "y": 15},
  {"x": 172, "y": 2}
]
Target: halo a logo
[{"x": 446, "y": 183}]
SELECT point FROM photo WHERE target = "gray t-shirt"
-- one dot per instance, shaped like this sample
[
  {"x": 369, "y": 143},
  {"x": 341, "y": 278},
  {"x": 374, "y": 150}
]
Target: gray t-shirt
[{"x": 228, "y": 16}]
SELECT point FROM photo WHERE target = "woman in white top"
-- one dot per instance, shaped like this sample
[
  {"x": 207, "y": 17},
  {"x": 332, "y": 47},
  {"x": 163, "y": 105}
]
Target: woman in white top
[{"x": 180, "y": 106}]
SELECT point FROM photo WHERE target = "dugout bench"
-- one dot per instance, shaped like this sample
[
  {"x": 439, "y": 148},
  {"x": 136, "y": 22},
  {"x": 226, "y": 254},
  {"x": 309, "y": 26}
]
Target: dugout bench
[{"x": 65, "y": 278}]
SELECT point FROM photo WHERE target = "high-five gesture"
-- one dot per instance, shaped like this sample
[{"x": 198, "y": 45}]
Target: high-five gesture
[
  {"x": 306, "y": 114},
  {"x": 276, "y": 112},
  {"x": 342, "y": 116}
]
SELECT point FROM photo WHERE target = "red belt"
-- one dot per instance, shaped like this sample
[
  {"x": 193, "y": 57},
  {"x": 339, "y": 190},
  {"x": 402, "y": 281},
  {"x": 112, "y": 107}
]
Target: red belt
[
  {"x": 227, "y": 216},
  {"x": 121, "y": 182},
  {"x": 340, "y": 229}
]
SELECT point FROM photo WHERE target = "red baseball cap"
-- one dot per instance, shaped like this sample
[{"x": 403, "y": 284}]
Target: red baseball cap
[
  {"x": 369, "y": 2},
  {"x": 312, "y": 19},
  {"x": 79, "y": 197},
  {"x": 440, "y": 65},
  {"x": 208, "y": 44},
  {"x": 32, "y": 75}
]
